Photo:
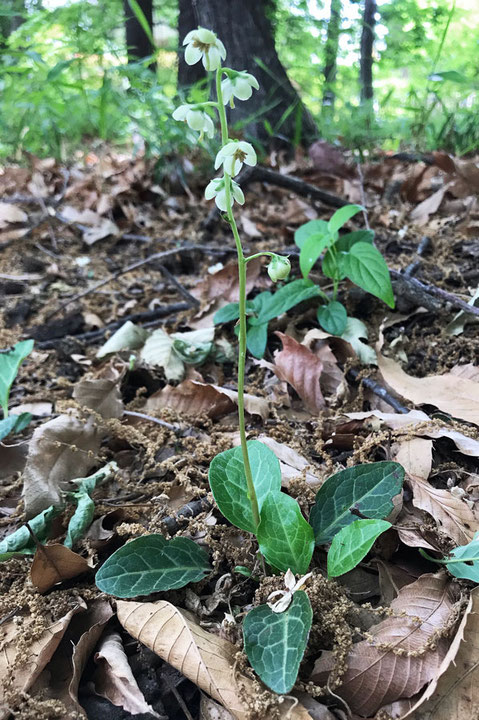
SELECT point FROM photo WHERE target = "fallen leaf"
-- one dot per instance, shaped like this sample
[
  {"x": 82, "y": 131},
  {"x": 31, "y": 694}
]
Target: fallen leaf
[
  {"x": 54, "y": 563},
  {"x": 422, "y": 425},
  {"x": 211, "y": 710},
  {"x": 128, "y": 337},
  {"x": 291, "y": 462},
  {"x": 377, "y": 676},
  {"x": 454, "y": 395},
  {"x": 420, "y": 214},
  {"x": 22, "y": 675},
  {"x": 38, "y": 409},
  {"x": 354, "y": 334},
  {"x": 454, "y": 693},
  {"x": 249, "y": 227},
  {"x": 469, "y": 371},
  {"x": 301, "y": 369},
  {"x": 101, "y": 395},
  {"x": 451, "y": 513},
  {"x": 224, "y": 285},
  {"x": 205, "y": 659},
  {"x": 195, "y": 398},
  {"x": 10, "y": 213},
  {"x": 60, "y": 450},
  {"x": 114, "y": 679}
]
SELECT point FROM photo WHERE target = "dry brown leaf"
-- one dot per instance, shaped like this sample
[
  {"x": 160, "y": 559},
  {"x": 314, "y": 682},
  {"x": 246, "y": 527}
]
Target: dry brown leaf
[
  {"x": 204, "y": 658},
  {"x": 469, "y": 371},
  {"x": 454, "y": 692},
  {"x": 38, "y": 409},
  {"x": 420, "y": 214},
  {"x": 54, "y": 563},
  {"x": 61, "y": 677},
  {"x": 195, "y": 398},
  {"x": 454, "y": 395},
  {"x": 292, "y": 463},
  {"x": 451, "y": 513},
  {"x": 60, "y": 450},
  {"x": 102, "y": 395},
  {"x": 223, "y": 286},
  {"x": 377, "y": 676},
  {"x": 423, "y": 426},
  {"x": 22, "y": 675},
  {"x": 301, "y": 369},
  {"x": 114, "y": 679},
  {"x": 11, "y": 214}
]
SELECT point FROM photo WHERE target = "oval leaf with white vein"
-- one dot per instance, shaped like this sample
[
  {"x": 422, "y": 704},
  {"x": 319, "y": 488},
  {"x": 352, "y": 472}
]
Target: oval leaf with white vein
[
  {"x": 367, "y": 489},
  {"x": 228, "y": 482},
  {"x": 352, "y": 543},
  {"x": 275, "y": 642},
  {"x": 151, "y": 564}
]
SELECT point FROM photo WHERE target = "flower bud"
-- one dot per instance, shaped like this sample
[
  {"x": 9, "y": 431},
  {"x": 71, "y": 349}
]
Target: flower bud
[{"x": 279, "y": 268}]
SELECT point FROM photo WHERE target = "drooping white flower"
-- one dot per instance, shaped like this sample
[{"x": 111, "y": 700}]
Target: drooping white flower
[
  {"x": 196, "y": 119},
  {"x": 216, "y": 189},
  {"x": 202, "y": 44},
  {"x": 239, "y": 85},
  {"x": 233, "y": 155}
]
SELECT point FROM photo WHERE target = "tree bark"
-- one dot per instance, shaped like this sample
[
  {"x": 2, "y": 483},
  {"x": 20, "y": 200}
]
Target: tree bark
[
  {"x": 331, "y": 54},
  {"x": 367, "y": 43},
  {"x": 244, "y": 26},
  {"x": 137, "y": 42}
]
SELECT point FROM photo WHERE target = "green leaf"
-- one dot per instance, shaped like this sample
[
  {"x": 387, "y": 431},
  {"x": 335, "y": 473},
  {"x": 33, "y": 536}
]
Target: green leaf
[
  {"x": 59, "y": 68},
  {"x": 21, "y": 541},
  {"x": 366, "y": 267},
  {"x": 275, "y": 642},
  {"x": 151, "y": 564},
  {"x": 354, "y": 331},
  {"x": 342, "y": 216},
  {"x": 128, "y": 337},
  {"x": 451, "y": 75},
  {"x": 285, "y": 538},
  {"x": 228, "y": 482},
  {"x": 463, "y": 561},
  {"x": 313, "y": 228},
  {"x": 333, "y": 317},
  {"x": 226, "y": 314},
  {"x": 346, "y": 242},
  {"x": 256, "y": 339},
  {"x": 14, "y": 423},
  {"x": 81, "y": 519},
  {"x": 310, "y": 252},
  {"x": 368, "y": 489},
  {"x": 140, "y": 16},
  {"x": 352, "y": 543},
  {"x": 285, "y": 298},
  {"x": 10, "y": 361}
]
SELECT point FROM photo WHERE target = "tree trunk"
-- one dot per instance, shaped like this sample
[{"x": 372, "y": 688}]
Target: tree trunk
[
  {"x": 331, "y": 54},
  {"x": 367, "y": 42},
  {"x": 137, "y": 41},
  {"x": 10, "y": 23},
  {"x": 245, "y": 29}
]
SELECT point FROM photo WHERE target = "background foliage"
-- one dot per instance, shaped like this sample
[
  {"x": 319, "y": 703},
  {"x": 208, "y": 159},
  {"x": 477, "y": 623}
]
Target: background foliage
[{"x": 66, "y": 85}]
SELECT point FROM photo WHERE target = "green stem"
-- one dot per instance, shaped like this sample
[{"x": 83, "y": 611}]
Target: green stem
[
  {"x": 242, "y": 310},
  {"x": 260, "y": 254}
]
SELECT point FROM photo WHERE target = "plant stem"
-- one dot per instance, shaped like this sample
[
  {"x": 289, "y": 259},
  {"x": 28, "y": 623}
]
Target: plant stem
[
  {"x": 242, "y": 310},
  {"x": 260, "y": 254}
]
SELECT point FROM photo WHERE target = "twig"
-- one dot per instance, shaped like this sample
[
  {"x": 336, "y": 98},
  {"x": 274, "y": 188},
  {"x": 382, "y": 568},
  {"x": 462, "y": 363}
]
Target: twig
[
  {"x": 142, "y": 416},
  {"x": 182, "y": 290},
  {"x": 378, "y": 390},
  {"x": 129, "y": 268},
  {"x": 148, "y": 317},
  {"x": 173, "y": 523},
  {"x": 363, "y": 194},
  {"x": 423, "y": 289},
  {"x": 413, "y": 267},
  {"x": 300, "y": 187}
]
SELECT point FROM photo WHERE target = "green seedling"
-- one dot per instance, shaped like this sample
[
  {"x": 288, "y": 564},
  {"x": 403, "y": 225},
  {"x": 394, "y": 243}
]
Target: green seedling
[
  {"x": 246, "y": 480},
  {"x": 352, "y": 256},
  {"x": 10, "y": 361}
]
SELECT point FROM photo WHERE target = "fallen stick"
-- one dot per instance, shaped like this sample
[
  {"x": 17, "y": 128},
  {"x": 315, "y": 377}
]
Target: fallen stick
[
  {"x": 296, "y": 185},
  {"x": 173, "y": 523},
  {"x": 417, "y": 291},
  {"x": 378, "y": 390}
]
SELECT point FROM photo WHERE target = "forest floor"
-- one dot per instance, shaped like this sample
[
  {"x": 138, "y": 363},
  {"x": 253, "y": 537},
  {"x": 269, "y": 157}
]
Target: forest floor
[{"x": 406, "y": 387}]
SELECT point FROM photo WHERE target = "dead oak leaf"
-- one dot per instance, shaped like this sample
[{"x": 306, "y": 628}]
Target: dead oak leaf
[
  {"x": 101, "y": 395},
  {"x": 301, "y": 369},
  {"x": 54, "y": 563},
  {"x": 397, "y": 662}
]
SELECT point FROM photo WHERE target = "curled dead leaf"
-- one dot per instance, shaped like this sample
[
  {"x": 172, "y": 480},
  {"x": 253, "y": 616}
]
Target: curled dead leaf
[
  {"x": 101, "y": 395},
  {"x": 398, "y": 661},
  {"x": 301, "y": 369}
]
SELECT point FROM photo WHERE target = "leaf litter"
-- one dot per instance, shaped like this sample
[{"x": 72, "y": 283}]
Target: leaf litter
[{"x": 401, "y": 639}]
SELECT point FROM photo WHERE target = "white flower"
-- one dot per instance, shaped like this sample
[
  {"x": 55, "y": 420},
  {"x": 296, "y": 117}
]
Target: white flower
[
  {"x": 240, "y": 85},
  {"x": 233, "y": 155},
  {"x": 196, "y": 119},
  {"x": 216, "y": 189},
  {"x": 202, "y": 44}
]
